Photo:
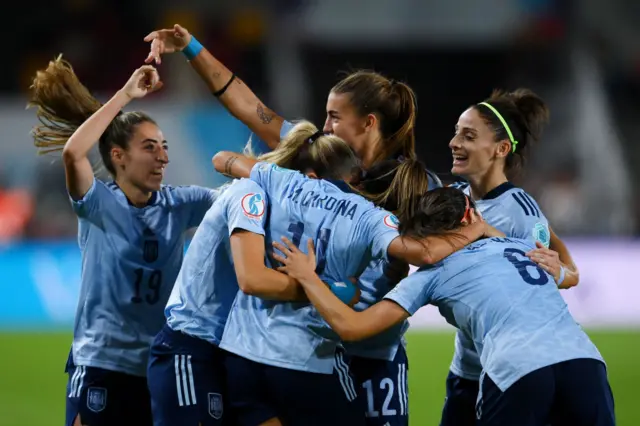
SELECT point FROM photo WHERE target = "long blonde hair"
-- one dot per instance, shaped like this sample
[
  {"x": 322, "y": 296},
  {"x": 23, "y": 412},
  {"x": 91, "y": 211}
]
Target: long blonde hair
[{"x": 306, "y": 149}]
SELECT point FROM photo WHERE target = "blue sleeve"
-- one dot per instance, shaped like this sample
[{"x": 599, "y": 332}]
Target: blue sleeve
[
  {"x": 92, "y": 203},
  {"x": 246, "y": 207},
  {"x": 260, "y": 147},
  {"x": 415, "y": 291},
  {"x": 380, "y": 227},
  {"x": 273, "y": 179},
  {"x": 196, "y": 200}
]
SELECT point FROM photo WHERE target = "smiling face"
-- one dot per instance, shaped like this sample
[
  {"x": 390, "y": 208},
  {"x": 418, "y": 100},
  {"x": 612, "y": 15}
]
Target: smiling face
[
  {"x": 474, "y": 148},
  {"x": 143, "y": 161}
]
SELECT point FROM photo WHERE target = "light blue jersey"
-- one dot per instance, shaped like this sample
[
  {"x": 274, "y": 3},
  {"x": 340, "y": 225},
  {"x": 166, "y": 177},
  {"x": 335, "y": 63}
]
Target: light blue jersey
[
  {"x": 510, "y": 307},
  {"x": 514, "y": 212},
  {"x": 374, "y": 283},
  {"x": 207, "y": 285},
  {"x": 349, "y": 232},
  {"x": 130, "y": 259}
]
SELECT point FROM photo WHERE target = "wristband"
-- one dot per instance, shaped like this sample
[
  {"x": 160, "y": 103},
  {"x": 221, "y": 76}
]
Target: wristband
[
  {"x": 193, "y": 48},
  {"x": 345, "y": 291},
  {"x": 563, "y": 272}
]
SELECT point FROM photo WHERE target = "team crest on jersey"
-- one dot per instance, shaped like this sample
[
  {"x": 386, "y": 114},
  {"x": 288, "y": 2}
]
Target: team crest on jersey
[
  {"x": 541, "y": 233},
  {"x": 391, "y": 221},
  {"x": 96, "y": 399},
  {"x": 150, "y": 251},
  {"x": 215, "y": 405},
  {"x": 253, "y": 205}
]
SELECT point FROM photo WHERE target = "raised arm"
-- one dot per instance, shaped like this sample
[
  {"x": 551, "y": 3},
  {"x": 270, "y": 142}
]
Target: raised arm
[
  {"x": 233, "y": 164},
  {"x": 236, "y": 96},
  {"x": 78, "y": 170},
  {"x": 254, "y": 277}
]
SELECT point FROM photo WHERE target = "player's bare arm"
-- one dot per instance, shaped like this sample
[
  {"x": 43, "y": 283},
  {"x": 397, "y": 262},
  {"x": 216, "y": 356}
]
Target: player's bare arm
[{"x": 232, "y": 92}]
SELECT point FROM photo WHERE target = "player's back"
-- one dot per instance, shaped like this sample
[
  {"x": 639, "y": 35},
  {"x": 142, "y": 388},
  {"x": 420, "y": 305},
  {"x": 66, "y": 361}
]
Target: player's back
[
  {"x": 207, "y": 285},
  {"x": 509, "y": 306},
  {"x": 511, "y": 210},
  {"x": 348, "y": 232},
  {"x": 130, "y": 259}
]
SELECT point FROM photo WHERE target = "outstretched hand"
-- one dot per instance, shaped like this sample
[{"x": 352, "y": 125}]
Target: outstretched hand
[{"x": 166, "y": 41}]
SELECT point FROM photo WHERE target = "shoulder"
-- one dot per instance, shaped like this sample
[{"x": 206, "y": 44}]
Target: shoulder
[
  {"x": 244, "y": 185},
  {"x": 521, "y": 201}
]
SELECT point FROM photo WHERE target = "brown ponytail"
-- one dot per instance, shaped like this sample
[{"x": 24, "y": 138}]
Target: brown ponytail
[
  {"x": 393, "y": 103},
  {"x": 63, "y": 103}
]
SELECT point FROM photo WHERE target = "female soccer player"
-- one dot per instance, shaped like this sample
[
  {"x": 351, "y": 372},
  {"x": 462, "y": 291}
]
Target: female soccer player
[
  {"x": 491, "y": 142},
  {"x": 539, "y": 367},
  {"x": 130, "y": 232},
  {"x": 376, "y": 117},
  {"x": 293, "y": 351},
  {"x": 186, "y": 370}
]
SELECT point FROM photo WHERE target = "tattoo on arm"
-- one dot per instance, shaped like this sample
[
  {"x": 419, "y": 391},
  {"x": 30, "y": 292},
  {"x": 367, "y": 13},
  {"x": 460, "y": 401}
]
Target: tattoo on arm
[
  {"x": 228, "y": 164},
  {"x": 264, "y": 114},
  {"x": 215, "y": 74}
]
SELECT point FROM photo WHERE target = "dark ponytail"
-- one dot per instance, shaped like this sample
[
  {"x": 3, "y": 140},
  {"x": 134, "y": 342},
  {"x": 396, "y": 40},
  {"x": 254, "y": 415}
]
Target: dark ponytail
[
  {"x": 526, "y": 115},
  {"x": 393, "y": 103},
  {"x": 437, "y": 212},
  {"x": 396, "y": 186}
]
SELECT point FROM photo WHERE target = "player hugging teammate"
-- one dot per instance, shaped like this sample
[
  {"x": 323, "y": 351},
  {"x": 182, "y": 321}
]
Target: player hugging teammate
[{"x": 290, "y": 305}]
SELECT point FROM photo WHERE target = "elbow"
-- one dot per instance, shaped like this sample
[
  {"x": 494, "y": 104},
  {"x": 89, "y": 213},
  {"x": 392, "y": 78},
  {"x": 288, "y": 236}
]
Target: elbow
[
  {"x": 69, "y": 156},
  {"x": 572, "y": 280},
  {"x": 219, "y": 160},
  {"x": 248, "y": 284}
]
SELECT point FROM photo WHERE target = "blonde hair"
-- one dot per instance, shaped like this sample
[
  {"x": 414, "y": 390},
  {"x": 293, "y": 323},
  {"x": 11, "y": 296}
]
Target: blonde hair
[
  {"x": 63, "y": 103},
  {"x": 304, "y": 149}
]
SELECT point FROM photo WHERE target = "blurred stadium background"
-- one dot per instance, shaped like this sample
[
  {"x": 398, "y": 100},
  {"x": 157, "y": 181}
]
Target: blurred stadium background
[{"x": 582, "y": 56}]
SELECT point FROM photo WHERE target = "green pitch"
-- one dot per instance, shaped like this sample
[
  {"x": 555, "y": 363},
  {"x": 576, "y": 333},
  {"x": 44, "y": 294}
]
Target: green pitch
[{"x": 32, "y": 380}]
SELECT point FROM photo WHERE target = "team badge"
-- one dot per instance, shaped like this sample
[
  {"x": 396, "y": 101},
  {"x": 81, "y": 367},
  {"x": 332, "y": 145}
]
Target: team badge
[
  {"x": 215, "y": 405},
  {"x": 96, "y": 399},
  {"x": 541, "y": 233},
  {"x": 253, "y": 205},
  {"x": 391, "y": 221}
]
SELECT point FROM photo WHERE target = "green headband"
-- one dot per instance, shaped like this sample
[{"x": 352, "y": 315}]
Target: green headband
[{"x": 504, "y": 123}]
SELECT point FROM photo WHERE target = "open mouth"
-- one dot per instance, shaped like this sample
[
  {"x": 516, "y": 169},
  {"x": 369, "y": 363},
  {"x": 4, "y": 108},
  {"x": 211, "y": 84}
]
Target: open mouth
[{"x": 459, "y": 160}]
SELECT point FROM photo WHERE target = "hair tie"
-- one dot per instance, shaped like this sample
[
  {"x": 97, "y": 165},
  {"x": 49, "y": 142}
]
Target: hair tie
[{"x": 314, "y": 137}]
